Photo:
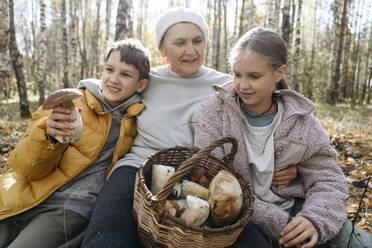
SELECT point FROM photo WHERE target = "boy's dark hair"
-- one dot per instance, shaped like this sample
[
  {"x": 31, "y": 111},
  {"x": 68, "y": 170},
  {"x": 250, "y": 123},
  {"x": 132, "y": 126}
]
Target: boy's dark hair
[{"x": 133, "y": 53}]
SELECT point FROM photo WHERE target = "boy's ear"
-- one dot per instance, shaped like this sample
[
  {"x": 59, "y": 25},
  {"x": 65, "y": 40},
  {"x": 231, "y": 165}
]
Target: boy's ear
[
  {"x": 142, "y": 84},
  {"x": 282, "y": 70}
]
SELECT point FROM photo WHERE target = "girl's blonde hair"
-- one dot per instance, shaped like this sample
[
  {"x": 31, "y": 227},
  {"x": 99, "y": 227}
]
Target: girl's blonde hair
[{"x": 266, "y": 43}]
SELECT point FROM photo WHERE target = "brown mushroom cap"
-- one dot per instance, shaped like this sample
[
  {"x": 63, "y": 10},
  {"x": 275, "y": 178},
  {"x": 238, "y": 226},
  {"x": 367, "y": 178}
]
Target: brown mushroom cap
[{"x": 60, "y": 96}]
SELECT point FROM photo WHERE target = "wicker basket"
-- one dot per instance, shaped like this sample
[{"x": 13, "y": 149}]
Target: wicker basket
[{"x": 156, "y": 228}]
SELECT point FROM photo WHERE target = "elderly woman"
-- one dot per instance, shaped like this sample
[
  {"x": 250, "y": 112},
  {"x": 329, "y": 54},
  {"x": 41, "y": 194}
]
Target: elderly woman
[{"x": 174, "y": 94}]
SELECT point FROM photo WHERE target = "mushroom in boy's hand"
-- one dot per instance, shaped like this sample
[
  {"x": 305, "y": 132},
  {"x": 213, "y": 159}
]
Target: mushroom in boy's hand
[{"x": 63, "y": 98}]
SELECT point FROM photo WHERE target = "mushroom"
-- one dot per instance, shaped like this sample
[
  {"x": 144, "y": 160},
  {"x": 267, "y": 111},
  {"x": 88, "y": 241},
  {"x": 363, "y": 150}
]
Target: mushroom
[
  {"x": 225, "y": 198},
  {"x": 195, "y": 212},
  {"x": 160, "y": 176},
  {"x": 187, "y": 187},
  {"x": 63, "y": 98},
  {"x": 175, "y": 207}
]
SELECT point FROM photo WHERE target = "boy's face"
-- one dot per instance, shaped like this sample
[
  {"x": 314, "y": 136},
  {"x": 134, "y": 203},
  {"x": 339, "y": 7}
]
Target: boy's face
[{"x": 120, "y": 80}]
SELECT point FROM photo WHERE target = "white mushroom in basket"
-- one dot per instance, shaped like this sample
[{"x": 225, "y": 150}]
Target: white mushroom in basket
[
  {"x": 160, "y": 176},
  {"x": 63, "y": 98},
  {"x": 225, "y": 198},
  {"x": 196, "y": 211},
  {"x": 186, "y": 187}
]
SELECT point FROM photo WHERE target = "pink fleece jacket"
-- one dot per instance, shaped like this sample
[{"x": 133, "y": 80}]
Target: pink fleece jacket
[{"x": 299, "y": 140}]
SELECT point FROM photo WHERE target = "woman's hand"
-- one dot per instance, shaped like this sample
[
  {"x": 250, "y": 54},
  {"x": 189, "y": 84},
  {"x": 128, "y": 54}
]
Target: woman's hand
[
  {"x": 283, "y": 177},
  {"x": 299, "y": 232},
  {"x": 58, "y": 122}
]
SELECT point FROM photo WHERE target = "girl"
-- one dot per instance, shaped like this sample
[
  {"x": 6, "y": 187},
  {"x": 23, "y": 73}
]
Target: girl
[{"x": 276, "y": 129}]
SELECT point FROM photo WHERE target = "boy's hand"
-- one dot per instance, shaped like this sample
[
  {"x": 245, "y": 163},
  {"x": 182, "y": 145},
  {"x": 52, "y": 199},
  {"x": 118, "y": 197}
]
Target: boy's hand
[
  {"x": 299, "y": 232},
  {"x": 283, "y": 177},
  {"x": 58, "y": 122}
]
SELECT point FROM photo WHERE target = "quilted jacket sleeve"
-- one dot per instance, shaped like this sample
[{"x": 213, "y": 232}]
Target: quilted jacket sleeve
[
  {"x": 35, "y": 156},
  {"x": 325, "y": 185}
]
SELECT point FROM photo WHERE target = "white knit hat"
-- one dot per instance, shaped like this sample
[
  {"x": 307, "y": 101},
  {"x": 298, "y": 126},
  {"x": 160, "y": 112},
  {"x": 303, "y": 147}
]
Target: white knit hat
[{"x": 177, "y": 15}]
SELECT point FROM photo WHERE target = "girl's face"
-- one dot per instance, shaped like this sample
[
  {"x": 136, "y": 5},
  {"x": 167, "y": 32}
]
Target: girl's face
[
  {"x": 254, "y": 81},
  {"x": 184, "y": 45},
  {"x": 120, "y": 80}
]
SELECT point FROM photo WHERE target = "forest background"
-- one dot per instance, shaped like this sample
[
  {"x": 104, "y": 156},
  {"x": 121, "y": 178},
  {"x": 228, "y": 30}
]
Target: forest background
[{"x": 50, "y": 44}]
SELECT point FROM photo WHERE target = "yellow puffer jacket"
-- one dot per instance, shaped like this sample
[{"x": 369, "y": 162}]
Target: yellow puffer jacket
[{"x": 38, "y": 168}]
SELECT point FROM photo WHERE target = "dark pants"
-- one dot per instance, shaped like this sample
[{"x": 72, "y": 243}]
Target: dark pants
[{"x": 113, "y": 225}]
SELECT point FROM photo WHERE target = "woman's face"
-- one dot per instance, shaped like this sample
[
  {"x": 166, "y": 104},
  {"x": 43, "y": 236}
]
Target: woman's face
[{"x": 183, "y": 44}]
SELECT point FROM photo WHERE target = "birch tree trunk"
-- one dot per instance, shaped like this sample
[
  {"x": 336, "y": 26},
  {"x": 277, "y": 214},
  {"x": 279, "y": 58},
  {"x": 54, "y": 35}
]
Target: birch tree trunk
[
  {"x": 333, "y": 93},
  {"x": 286, "y": 22},
  {"x": 73, "y": 45},
  {"x": 217, "y": 38},
  {"x": 335, "y": 28},
  {"x": 4, "y": 71},
  {"x": 17, "y": 62},
  {"x": 107, "y": 22},
  {"x": 296, "y": 56},
  {"x": 64, "y": 47},
  {"x": 95, "y": 68},
  {"x": 366, "y": 80},
  {"x": 310, "y": 71},
  {"x": 34, "y": 63},
  {"x": 269, "y": 14},
  {"x": 276, "y": 18},
  {"x": 82, "y": 43},
  {"x": 41, "y": 70},
  {"x": 207, "y": 47},
  {"x": 140, "y": 20},
  {"x": 357, "y": 62},
  {"x": 225, "y": 36},
  {"x": 241, "y": 25},
  {"x": 123, "y": 20}
]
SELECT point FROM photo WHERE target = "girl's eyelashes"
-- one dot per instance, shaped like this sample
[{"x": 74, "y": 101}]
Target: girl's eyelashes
[
  {"x": 237, "y": 75},
  {"x": 108, "y": 69}
]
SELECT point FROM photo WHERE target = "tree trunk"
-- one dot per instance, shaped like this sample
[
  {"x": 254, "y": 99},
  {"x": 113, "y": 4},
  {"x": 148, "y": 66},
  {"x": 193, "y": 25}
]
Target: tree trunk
[
  {"x": 207, "y": 47},
  {"x": 95, "y": 68},
  {"x": 123, "y": 20},
  {"x": 276, "y": 18},
  {"x": 41, "y": 70},
  {"x": 140, "y": 20},
  {"x": 225, "y": 36},
  {"x": 296, "y": 56},
  {"x": 310, "y": 71},
  {"x": 270, "y": 14},
  {"x": 366, "y": 68},
  {"x": 241, "y": 26},
  {"x": 82, "y": 43},
  {"x": 356, "y": 69},
  {"x": 73, "y": 45},
  {"x": 34, "y": 62},
  {"x": 17, "y": 62},
  {"x": 4, "y": 70},
  {"x": 217, "y": 37},
  {"x": 286, "y": 22},
  {"x": 335, "y": 57},
  {"x": 107, "y": 22},
  {"x": 64, "y": 47}
]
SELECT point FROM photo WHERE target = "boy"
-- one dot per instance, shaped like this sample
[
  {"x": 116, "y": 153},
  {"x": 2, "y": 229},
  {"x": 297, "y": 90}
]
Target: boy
[{"x": 47, "y": 196}]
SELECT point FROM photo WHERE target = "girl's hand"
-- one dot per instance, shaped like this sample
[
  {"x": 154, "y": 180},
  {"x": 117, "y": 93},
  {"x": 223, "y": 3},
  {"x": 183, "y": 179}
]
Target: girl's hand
[
  {"x": 283, "y": 177},
  {"x": 299, "y": 232},
  {"x": 58, "y": 122}
]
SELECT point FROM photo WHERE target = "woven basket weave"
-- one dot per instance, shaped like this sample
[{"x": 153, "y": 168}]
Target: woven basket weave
[{"x": 156, "y": 228}]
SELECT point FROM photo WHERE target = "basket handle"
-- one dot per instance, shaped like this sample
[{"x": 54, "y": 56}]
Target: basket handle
[{"x": 187, "y": 165}]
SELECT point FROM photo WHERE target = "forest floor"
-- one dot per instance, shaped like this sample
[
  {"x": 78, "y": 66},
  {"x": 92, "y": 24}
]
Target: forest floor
[{"x": 350, "y": 131}]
